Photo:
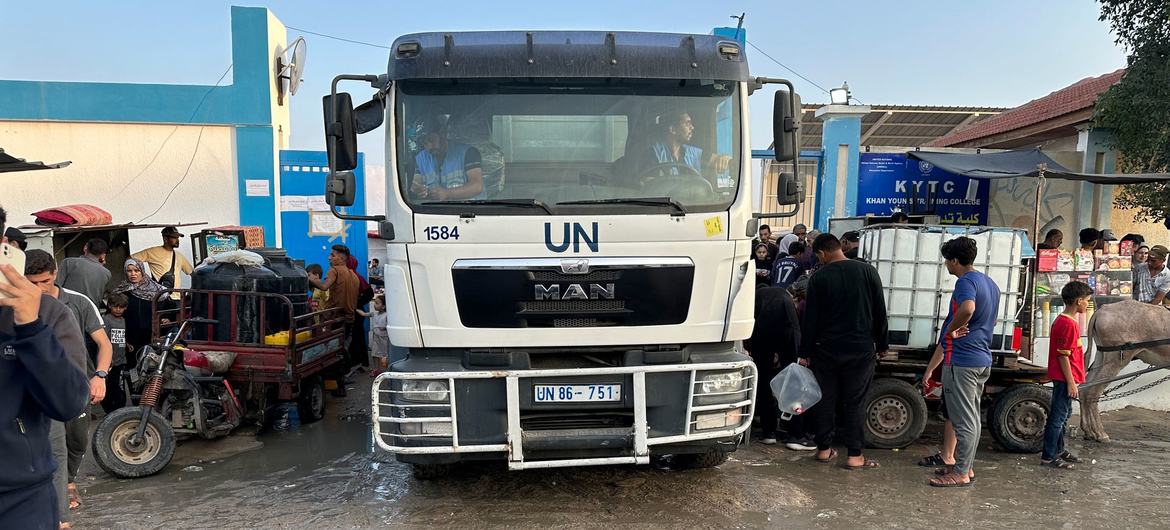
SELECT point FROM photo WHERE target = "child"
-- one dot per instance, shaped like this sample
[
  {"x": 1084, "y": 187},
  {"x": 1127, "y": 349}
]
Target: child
[
  {"x": 379, "y": 335},
  {"x": 116, "y": 329},
  {"x": 789, "y": 269},
  {"x": 1066, "y": 368},
  {"x": 763, "y": 265},
  {"x": 319, "y": 297}
]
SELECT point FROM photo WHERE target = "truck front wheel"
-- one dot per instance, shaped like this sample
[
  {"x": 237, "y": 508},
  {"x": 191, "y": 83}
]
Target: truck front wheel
[
  {"x": 430, "y": 471},
  {"x": 712, "y": 458}
]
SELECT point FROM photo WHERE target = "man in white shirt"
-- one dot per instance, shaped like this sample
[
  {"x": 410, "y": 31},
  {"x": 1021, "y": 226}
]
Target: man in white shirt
[{"x": 1159, "y": 274}]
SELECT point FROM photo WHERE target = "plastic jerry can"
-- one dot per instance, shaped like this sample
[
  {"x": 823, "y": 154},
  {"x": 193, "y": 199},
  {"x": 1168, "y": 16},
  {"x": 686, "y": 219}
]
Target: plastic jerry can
[{"x": 795, "y": 389}]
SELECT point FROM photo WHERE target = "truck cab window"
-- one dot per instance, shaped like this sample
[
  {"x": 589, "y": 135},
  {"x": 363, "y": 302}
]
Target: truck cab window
[{"x": 562, "y": 141}]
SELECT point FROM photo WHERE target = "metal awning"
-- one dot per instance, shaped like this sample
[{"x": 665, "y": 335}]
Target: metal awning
[
  {"x": 9, "y": 163},
  {"x": 1024, "y": 163}
]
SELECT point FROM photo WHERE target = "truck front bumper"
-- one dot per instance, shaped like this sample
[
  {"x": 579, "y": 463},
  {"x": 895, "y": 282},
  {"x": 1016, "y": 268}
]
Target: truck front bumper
[{"x": 451, "y": 415}]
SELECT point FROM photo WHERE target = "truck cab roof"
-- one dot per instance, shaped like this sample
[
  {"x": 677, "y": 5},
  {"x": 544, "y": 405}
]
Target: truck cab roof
[{"x": 576, "y": 54}]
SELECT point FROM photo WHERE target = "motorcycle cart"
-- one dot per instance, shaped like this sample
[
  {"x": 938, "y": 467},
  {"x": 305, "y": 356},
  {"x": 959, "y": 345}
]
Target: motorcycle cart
[{"x": 274, "y": 355}]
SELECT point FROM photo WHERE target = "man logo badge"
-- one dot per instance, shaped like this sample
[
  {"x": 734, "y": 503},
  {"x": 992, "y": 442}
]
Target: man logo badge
[
  {"x": 8, "y": 354},
  {"x": 574, "y": 292},
  {"x": 575, "y": 266}
]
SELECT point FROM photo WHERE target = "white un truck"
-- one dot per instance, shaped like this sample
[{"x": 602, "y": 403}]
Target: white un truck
[{"x": 569, "y": 222}]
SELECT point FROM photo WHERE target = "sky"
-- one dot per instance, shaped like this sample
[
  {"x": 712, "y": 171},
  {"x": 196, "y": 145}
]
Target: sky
[{"x": 996, "y": 53}]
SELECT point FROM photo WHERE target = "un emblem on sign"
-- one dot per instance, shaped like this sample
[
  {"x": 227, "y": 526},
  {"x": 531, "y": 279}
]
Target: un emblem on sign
[{"x": 925, "y": 166}]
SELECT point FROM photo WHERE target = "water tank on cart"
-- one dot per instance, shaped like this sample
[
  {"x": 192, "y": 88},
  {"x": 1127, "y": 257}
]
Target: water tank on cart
[
  {"x": 294, "y": 284},
  {"x": 234, "y": 278}
]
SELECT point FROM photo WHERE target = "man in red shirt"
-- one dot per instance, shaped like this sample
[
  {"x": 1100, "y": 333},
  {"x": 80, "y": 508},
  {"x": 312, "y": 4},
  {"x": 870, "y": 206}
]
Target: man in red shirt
[{"x": 1066, "y": 368}]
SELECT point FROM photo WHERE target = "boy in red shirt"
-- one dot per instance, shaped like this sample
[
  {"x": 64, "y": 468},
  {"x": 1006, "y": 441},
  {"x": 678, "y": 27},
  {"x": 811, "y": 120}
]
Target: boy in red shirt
[{"x": 1066, "y": 368}]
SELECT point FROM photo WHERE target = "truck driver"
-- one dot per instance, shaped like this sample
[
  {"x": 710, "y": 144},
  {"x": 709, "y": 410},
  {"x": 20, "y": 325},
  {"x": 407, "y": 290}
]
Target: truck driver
[
  {"x": 673, "y": 150},
  {"x": 446, "y": 170}
]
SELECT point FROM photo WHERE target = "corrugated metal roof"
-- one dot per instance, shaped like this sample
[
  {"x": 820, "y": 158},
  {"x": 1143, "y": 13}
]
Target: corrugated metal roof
[{"x": 899, "y": 125}]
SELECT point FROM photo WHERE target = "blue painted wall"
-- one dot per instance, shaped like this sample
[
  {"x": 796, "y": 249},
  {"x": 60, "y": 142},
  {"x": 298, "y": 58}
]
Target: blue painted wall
[{"x": 302, "y": 173}]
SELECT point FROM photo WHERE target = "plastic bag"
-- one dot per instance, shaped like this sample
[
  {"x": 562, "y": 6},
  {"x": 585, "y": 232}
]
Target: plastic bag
[
  {"x": 245, "y": 258},
  {"x": 795, "y": 389}
]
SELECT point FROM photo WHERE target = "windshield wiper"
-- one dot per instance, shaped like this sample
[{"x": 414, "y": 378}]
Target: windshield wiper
[
  {"x": 528, "y": 203},
  {"x": 651, "y": 201}
]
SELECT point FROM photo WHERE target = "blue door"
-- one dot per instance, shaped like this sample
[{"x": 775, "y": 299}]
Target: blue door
[{"x": 308, "y": 229}]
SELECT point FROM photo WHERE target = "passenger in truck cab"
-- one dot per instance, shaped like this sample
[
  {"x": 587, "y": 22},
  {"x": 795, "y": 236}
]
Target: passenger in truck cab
[
  {"x": 445, "y": 170},
  {"x": 672, "y": 153}
]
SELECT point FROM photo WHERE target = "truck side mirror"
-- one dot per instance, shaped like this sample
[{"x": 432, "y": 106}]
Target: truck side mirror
[
  {"x": 786, "y": 125},
  {"x": 340, "y": 132},
  {"x": 341, "y": 189},
  {"x": 789, "y": 189},
  {"x": 369, "y": 115}
]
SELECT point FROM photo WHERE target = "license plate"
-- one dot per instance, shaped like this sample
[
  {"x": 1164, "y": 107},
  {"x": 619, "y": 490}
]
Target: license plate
[{"x": 577, "y": 393}]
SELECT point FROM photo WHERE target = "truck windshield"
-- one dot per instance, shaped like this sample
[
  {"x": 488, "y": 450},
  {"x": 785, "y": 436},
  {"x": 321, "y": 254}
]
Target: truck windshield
[{"x": 568, "y": 145}]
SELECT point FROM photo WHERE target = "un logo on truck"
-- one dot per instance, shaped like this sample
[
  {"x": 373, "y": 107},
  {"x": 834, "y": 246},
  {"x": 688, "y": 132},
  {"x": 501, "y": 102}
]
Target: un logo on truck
[{"x": 571, "y": 233}]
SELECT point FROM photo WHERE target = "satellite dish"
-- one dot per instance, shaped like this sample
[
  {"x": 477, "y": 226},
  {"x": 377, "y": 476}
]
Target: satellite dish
[{"x": 290, "y": 65}]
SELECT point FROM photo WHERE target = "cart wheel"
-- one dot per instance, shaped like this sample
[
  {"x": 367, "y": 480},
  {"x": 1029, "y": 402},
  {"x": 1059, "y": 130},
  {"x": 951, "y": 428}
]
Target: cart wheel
[
  {"x": 1018, "y": 417},
  {"x": 119, "y": 455},
  {"x": 895, "y": 414},
  {"x": 312, "y": 400}
]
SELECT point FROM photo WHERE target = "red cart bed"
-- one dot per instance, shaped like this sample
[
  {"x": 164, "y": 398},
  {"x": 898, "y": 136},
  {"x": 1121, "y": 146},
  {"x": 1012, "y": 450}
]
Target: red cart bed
[{"x": 315, "y": 341}]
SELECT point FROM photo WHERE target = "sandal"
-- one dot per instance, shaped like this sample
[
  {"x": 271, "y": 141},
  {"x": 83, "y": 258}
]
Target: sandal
[
  {"x": 950, "y": 480},
  {"x": 934, "y": 460},
  {"x": 74, "y": 497},
  {"x": 1069, "y": 457},
  {"x": 1057, "y": 463},
  {"x": 947, "y": 470},
  {"x": 832, "y": 457},
  {"x": 867, "y": 464}
]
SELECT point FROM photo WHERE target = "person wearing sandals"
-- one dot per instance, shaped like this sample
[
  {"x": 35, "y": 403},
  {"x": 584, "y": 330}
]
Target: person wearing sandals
[
  {"x": 1066, "y": 368},
  {"x": 964, "y": 351},
  {"x": 843, "y": 331}
]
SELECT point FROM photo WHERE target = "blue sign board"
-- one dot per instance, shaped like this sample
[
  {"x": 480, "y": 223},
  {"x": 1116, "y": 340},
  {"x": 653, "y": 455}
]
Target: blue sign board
[{"x": 889, "y": 182}]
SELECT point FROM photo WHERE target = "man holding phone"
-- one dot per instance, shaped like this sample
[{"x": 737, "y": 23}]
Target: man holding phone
[{"x": 36, "y": 387}]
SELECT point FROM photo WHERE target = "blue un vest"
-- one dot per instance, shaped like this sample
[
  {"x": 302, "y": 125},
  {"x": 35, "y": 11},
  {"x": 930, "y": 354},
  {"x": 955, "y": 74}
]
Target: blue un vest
[
  {"x": 691, "y": 156},
  {"x": 450, "y": 174}
]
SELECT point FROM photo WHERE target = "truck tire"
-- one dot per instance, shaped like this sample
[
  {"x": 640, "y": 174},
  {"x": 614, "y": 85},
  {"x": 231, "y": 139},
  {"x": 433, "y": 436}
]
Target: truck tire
[
  {"x": 311, "y": 400},
  {"x": 1018, "y": 417},
  {"x": 114, "y": 453},
  {"x": 430, "y": 471},
  {"x": 712, "y": 458},
  {"x": 895, "y": 414}
]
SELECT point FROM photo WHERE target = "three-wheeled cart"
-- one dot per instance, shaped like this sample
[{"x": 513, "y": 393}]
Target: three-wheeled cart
[{"x": 280, "y": 355}]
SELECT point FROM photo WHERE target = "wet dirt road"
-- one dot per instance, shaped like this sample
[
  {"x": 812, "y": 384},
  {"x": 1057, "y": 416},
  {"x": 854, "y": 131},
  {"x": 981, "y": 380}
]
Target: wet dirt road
[{"x": 326, "y": 475}]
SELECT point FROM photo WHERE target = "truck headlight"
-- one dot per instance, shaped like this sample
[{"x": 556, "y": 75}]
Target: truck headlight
[
  {"x": 720, "y": 382},
  {"x": 423, "y": 390}
]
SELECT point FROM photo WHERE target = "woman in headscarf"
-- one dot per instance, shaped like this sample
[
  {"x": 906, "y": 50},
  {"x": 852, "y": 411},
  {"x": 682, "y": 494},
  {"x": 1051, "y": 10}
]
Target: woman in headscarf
[
  {"x": 141, "y": 290},
  {"x": 358, "y": 350}
]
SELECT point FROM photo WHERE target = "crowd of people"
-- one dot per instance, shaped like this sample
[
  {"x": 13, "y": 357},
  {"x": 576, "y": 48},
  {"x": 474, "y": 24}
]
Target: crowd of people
[{"x": 804, "y": 316}]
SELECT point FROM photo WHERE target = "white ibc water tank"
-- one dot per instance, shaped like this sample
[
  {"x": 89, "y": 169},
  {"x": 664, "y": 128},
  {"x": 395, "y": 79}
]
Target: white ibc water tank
[{"x": 918, "y": 288}]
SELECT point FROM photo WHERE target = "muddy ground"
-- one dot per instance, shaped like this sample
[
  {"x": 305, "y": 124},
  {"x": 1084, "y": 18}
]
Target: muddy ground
[{"x": 326, "y": 475}]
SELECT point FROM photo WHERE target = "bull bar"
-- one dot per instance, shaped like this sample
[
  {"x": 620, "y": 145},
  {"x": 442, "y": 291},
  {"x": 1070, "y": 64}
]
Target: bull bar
[{"x": 384, "y": 426}]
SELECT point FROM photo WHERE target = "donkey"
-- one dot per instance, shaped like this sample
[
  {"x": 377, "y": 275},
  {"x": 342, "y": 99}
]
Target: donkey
[{"x": 1118, "y": 324}]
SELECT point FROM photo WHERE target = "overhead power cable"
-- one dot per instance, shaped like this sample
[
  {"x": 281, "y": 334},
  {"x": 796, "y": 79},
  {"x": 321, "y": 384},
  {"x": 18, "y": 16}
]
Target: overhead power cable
[
  {"x": 342, "y": 39},
  {"x": 786, "y": 67}
]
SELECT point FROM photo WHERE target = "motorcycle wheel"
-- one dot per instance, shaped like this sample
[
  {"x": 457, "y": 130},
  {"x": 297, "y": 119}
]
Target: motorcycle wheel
[{"x": 116, "y": 454}]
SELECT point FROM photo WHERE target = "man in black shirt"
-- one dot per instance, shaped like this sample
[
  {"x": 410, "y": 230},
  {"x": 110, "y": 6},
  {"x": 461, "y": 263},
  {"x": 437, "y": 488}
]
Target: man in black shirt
[{"x": 844, "y": 328}]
